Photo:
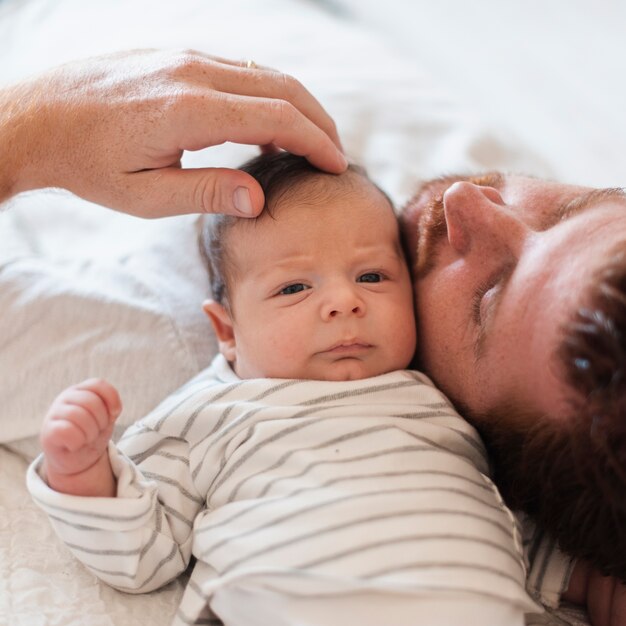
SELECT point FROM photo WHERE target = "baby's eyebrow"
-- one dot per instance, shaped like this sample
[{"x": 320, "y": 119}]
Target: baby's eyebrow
[{"x": 587, "y": 201}]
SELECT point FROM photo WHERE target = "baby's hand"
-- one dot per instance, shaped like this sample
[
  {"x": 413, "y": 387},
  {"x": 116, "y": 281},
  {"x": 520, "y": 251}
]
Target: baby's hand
[{"x": 78, "y": 426}]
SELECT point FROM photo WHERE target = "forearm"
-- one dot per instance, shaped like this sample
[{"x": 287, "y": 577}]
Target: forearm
[
  {"x": 11, "y": 155},
  {"x": 96, "y": 481}
]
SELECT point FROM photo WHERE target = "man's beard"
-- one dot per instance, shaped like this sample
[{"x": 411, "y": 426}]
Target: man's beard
[{"x": 557, "y": 473}]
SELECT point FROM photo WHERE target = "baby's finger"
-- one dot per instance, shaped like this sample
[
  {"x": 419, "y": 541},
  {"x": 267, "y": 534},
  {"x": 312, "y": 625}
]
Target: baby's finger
[
  {"x": 83, "y": 419},
  {"x": 62, "y": 435},
  {"x": 92, "y": 404},
  {"x": 107, "y": 393}
]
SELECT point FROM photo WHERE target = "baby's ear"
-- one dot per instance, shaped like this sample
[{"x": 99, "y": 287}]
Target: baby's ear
[{"x": 223, "y": 327}]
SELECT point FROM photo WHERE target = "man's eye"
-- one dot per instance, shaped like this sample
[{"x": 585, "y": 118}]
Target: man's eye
[
  {"x": 291, "y": 289},
  {"x": 370, "y": 277}
]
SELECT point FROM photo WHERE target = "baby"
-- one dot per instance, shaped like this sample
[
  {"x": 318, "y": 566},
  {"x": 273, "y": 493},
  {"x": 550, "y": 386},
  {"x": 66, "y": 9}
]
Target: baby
[{"x": 314, "y": 479}]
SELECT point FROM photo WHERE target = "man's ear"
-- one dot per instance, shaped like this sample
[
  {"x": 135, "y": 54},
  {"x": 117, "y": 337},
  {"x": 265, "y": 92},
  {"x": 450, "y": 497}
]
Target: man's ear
[{"x": 223, "y": 326}]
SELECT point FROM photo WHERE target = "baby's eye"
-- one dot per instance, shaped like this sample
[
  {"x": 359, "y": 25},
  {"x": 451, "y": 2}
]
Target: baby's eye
[
  {"x": 370, "y": 277},
  {"x": 291, "y": 289}
]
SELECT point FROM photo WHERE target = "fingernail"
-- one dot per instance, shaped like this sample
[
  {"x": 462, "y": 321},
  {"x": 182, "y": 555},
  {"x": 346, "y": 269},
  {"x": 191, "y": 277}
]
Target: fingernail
[
  {"x": 242, "y": 201},
  {"x": 343, "y": 160}
]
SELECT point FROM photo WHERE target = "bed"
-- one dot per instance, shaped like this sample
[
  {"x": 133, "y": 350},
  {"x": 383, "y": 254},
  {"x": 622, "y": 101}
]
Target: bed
[{"x": 85, "y": 291}]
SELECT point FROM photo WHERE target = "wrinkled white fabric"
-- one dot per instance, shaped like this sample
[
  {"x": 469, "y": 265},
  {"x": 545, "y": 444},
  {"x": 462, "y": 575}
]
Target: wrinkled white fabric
[{"x": 302, "y": 488}]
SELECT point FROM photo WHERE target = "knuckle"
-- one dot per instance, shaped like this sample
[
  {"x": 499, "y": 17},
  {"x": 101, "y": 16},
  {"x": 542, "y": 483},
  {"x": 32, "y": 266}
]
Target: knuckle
[
  {"x": 183, "y": 63},
  {"x": 206, "y": 195},
  {"x": 291, "y": 86},
  {"x": 285, "y": 112}
]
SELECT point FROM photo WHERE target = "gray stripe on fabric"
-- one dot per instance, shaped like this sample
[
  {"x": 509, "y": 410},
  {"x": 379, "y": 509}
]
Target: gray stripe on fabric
[
  {"x": 220, "y": 479},
  {"x": 179, "y": 516},
  {"x": 476, "y": 442},
  {"x": 276, "y": 388},
  {"x": 247, "y": 416},
  {"x": 99, "y": 516},
  {"x": 288, "y": 430},
  {"x": 166, "y": 559},
  {"x": 355, "y": 393},
  {"x": 74, "y": 546},
  {"x": 174, "y": 483},
  {"x": 541, "y": 574},
  {"x": 149, "y": 544},
  {"x": 469, "y": 591},
  {"x": 205, "y": 616},
  {"x": 252, "y": 411},
  {"x": 139, "y": 457},
  {"x": 357, "y": 458},
  {"x": 194, "y": 415},
  {"x": 533, "y": 549},
  {"x": 370, "y": 494},
  {"x": 370, "y": 546},
  {"x": 258, "y": 504},
  {"x": 443, "y": 565},
  {"x": 412, "y": 539},
  {"x": 224, "y": 432},
  {"x": 187, "y": 398},
  {"x": 158, "y": 514},
  {"x": 342, "y": 438},
  {"x": 118, "y": 574}
]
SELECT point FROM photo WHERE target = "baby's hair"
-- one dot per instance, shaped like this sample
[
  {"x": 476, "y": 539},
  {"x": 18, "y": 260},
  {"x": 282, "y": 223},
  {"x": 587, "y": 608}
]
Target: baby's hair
[{"x": 278, "y": 174}]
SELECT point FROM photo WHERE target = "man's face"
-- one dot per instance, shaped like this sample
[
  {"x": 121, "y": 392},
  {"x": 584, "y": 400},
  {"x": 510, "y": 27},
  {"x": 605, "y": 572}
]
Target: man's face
[
  {"x": 501, "y": 263},
  {"x": 321, "y": 289}
]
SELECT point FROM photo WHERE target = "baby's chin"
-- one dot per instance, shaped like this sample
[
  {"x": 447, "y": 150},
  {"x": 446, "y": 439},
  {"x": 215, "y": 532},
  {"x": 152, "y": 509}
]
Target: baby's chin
[
  {"x": 335, "y": 371},
  {"x": 347, "y": 369}
]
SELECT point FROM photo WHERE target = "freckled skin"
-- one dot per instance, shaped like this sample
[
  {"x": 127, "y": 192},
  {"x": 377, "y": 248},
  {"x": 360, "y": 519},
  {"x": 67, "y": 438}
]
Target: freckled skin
[{"x": 104, "y": 126}]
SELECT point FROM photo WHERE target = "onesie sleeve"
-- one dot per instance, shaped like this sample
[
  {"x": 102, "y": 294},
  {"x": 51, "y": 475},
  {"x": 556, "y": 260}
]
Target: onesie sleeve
[
  {"x": 141, "y": 539},
  {"x": 548, "y": 568}
]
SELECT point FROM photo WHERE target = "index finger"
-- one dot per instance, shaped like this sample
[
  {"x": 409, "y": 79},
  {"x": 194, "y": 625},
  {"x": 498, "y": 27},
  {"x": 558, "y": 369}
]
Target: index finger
[
  {"x": 258, "y": 121},
  {"x": 238, "y": 78}
]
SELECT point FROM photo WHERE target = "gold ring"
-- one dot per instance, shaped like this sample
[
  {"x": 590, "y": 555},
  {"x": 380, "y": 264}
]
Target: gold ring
[{"x": 251, "y": 65}]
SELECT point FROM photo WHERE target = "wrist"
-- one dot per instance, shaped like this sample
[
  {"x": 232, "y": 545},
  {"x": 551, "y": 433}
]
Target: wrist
[
  {"x": 23, "y": 127},
  {"x": 10, "y": 155},
  {"x": 97, "y": 481}
]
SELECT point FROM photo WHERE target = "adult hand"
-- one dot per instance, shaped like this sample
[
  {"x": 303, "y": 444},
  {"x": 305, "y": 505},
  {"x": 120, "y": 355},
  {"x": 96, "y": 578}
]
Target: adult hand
[
  {"x": 113, "y": 129},
  {"x": 604, "y": 596}
]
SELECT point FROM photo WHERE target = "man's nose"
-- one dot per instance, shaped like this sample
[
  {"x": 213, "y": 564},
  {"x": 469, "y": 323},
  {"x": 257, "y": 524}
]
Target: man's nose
[
  {"x": 343, "y": 299},
  {"x": 477, "y": 215}
]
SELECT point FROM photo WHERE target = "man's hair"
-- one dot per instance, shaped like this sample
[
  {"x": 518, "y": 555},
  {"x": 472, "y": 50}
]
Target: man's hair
[
  {"x": 279, "y": 175},
  {"x": 570, "y": 474}
]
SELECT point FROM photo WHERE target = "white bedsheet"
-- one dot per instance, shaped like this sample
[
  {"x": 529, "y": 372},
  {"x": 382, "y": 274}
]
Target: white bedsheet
[{"x": 394, "y": 115}]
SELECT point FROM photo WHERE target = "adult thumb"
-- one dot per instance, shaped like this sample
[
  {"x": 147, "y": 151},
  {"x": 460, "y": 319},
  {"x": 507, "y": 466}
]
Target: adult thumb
[{"x": 175, "y": 191}]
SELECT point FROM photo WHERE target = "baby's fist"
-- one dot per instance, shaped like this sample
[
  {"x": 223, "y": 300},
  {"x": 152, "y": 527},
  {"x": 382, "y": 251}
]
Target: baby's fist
[{"x": 78, "y": 426}]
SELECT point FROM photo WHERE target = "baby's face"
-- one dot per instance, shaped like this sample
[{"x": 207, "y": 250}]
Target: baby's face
[{"x": 321, "y": 291}]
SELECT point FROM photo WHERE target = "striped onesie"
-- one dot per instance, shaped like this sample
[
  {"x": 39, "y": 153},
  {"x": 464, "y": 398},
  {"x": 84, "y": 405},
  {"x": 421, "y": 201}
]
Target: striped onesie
[{"x": 311, "y": 491}]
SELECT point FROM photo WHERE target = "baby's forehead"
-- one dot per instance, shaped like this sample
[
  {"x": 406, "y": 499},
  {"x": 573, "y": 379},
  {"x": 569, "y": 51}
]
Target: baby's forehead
[{"x": 323, "y": 189}]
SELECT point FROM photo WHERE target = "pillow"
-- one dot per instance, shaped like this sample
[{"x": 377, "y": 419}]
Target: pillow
[{"x": 132, "y": 315}]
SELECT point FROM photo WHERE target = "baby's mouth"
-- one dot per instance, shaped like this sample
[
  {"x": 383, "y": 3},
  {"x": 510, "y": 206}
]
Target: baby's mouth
[{"x": 349, "y": 347}]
